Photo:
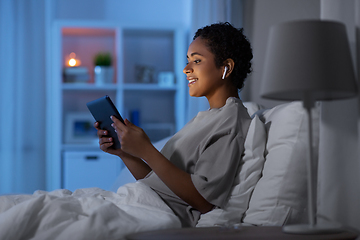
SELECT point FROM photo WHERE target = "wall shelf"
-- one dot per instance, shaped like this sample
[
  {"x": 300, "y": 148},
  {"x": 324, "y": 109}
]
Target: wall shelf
[
  {"x": 146, "y": 87},
  {"x": 135, "y": 51},
  {"x": 88, "y": 86}
]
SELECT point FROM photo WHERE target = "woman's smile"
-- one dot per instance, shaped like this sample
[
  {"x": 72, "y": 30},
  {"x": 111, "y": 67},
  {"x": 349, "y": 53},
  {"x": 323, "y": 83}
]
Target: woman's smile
[{"x": 191, "y": 81}]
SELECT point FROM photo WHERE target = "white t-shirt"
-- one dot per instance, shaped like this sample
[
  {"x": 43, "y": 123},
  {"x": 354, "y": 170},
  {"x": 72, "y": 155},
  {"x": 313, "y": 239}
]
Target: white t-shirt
[{"x": 210, "y": 148}]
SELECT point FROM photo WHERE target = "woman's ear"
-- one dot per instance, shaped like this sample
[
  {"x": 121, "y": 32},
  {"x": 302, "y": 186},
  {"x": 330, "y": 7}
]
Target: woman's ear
[{"x": 228, "y": 68}]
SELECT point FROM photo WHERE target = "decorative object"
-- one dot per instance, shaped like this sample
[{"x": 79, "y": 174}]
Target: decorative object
[
  {"x": 79, "y": 128},
  {"x": 76, "y": 75},
  {"x": 144, "y": 74},
  {"x": 310, "y": 61},
  {"x": 73, "y": 73},
  {"x": 166, "y": 79},
  {"x": 103, "y": 71},
  {"x": 72, "y": 60}
]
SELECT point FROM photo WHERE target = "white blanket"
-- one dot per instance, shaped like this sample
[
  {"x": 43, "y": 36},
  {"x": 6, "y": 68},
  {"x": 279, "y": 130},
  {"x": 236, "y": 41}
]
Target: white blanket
[{"x": 90, "y": 213}]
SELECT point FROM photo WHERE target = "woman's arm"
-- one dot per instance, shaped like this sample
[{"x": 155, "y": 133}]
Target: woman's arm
[
  {"x": 138, "y": 168},
  {"x": 177, "y": 180},
  {"x": 135, "y": 142}
]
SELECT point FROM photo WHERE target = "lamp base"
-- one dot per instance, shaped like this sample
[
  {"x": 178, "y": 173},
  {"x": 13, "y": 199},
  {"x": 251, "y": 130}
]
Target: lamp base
[{"x": 309, "y": 229}]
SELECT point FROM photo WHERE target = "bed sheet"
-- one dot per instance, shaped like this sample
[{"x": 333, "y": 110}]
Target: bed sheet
[{"x": 90, "y": 213}]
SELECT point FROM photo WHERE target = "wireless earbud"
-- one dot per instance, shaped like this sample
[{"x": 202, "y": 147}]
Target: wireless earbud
[{"x": 225, "y": 70}]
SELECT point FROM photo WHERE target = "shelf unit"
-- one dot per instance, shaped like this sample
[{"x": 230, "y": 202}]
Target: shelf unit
[{"x": 161, "y": 108}]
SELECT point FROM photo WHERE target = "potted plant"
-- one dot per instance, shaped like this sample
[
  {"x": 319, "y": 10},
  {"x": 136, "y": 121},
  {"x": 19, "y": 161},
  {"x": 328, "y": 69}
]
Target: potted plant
[{"x": 103, "y": 71}]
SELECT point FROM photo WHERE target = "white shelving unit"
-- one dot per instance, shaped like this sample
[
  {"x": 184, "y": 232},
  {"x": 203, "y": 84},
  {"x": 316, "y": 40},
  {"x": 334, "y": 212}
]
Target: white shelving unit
[{"x": 161, "y": 108}]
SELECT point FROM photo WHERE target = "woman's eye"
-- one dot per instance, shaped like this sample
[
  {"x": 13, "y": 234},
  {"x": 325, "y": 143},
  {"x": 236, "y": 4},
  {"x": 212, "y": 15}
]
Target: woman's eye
[{"x": 197, "y": 61}]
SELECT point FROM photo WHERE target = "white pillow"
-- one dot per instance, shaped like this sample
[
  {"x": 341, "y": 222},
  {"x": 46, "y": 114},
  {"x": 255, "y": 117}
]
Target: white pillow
[
  {"x": 245, "y": 181},
  {"x": 252, "y": 107},
  {"x": 280, "y": 196}
]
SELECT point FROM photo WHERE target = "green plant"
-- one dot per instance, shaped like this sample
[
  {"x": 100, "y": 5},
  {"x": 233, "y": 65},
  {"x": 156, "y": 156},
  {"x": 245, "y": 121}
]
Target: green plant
[{"x": 102, "y": 59}]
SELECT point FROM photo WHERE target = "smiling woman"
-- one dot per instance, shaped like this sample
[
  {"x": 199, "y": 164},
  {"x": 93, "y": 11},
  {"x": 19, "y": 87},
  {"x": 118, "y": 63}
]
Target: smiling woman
[
  {"x": 216, "y": 53},
  {"x": 193, "y": 171}
]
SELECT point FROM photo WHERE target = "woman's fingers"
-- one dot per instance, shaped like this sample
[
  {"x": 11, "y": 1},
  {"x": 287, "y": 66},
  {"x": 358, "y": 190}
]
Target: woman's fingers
[
  {"x": 105, "y": 143},
  {"x": 117, "y": 123},
  {"x": 101, "y": 133},
  {"x": 105, "y": 146},
  {"x": 97, "y": 125},
  {"x": 105, "y": 140},
  {"x": 128, "y": 123}
]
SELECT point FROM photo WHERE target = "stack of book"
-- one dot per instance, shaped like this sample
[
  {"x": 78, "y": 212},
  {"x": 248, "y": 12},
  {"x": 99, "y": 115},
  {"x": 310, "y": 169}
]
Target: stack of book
[{"x": 76, "y": 75}]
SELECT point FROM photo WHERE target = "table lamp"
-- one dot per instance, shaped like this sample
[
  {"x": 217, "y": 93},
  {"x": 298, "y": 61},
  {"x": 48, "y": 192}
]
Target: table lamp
[{"x": 308, "y": 60}]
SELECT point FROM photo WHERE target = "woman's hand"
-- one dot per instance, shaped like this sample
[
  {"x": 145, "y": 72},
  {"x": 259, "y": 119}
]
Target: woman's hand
[
  {"x": 106, "y": 142},
  {"x": 133, "y": 139},
  {"x": 138, "y": 168}
]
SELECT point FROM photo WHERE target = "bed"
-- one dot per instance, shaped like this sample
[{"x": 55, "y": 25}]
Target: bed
[{"x": 269, "y": 190}]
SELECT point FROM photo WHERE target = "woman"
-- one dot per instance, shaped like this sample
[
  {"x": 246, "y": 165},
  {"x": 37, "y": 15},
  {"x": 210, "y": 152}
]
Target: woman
[{"x": 194, "y": 171}]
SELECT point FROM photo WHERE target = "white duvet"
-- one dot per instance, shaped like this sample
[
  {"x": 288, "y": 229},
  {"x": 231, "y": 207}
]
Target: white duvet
[{"x": 90, "y": 213}]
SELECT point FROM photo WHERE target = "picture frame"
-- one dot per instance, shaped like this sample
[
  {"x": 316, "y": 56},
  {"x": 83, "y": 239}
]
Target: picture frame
[{"x": 79, "y": 128}]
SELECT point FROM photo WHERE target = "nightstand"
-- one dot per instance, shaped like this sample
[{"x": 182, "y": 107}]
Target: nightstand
[{"x": 243, "y": 233}]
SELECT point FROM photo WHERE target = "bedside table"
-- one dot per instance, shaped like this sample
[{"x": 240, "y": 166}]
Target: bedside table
[{"x": 243, "y": 233}]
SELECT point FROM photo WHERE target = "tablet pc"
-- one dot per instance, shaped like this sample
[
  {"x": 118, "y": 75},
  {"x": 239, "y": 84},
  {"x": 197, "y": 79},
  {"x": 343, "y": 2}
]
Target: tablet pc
[{"x": 101, "y": 109}]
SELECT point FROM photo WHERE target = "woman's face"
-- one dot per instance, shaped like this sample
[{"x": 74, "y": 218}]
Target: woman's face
[{"x": 203, "y": 76}]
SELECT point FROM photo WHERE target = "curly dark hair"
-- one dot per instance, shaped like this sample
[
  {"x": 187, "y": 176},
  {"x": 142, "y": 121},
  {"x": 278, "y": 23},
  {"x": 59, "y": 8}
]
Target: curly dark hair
[{"x": 226, "y": 41}]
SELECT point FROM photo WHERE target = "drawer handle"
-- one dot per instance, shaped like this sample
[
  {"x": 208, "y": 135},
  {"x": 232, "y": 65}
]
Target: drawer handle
[{"x": 91, "y": 158}]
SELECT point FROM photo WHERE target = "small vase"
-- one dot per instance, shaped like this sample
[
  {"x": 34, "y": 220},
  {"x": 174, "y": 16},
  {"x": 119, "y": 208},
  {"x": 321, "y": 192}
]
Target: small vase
[{"x": 103, "y": 75}]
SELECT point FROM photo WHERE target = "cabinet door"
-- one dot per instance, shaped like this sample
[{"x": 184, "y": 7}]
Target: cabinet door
[{"x": 83, "y": 169}]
